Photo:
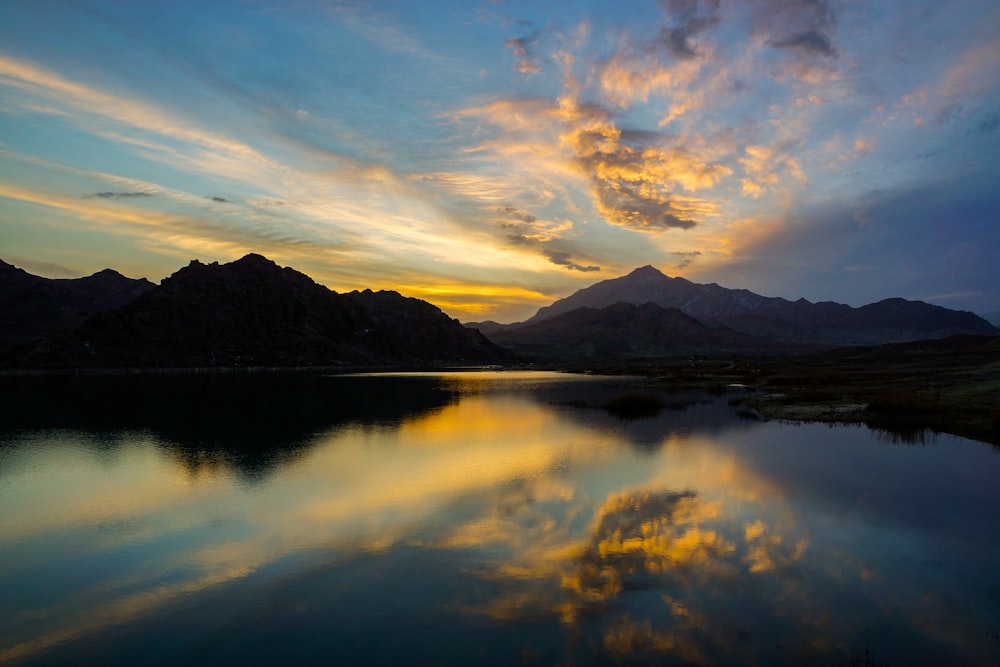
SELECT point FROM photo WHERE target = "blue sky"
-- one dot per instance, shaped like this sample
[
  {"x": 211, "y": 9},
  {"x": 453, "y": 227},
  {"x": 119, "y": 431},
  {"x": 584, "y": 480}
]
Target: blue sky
[{"x": 491, "y": 157}]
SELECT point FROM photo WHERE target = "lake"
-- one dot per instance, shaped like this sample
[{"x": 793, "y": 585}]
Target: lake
[{"x": 483, "y": 518}]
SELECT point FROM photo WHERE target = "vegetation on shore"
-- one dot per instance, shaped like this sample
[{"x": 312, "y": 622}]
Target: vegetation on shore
[{"x": 949, "y": 386}]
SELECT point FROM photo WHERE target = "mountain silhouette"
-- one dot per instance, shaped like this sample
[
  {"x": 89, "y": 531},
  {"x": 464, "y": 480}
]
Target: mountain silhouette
[
  {"x": 622, "y": 331},
  {"x": 888, "y": 321},
  {"x": 254, "y": 313},
  {"x": 33, "y": 307}
]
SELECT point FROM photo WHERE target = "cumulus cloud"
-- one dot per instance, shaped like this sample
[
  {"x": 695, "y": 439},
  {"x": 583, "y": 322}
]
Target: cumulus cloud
[
  {"x": 638, "y": 180},
  {"x": 634, "y": 180}
]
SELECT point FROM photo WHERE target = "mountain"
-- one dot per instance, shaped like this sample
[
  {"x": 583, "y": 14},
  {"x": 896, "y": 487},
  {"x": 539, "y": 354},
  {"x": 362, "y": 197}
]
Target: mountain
[
  {"x": 252, "y": 312},
  {"x": 33, "y": 307},
  {"x": 993, "y": 318},
  {"x": 621, "y": 331},
  {"x": 777, "y": 319}
]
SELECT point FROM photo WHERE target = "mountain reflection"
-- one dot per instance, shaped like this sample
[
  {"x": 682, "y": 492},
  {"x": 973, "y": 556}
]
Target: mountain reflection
[
  {"x": 249, "y": 423},
  {"x": 474, "y": 519}
]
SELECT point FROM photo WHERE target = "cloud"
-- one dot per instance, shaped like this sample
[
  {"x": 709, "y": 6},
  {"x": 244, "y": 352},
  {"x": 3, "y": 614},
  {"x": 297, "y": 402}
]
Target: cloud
[
  {"x": 526, "y": 62},
  {"x": 634, "y": 176},
  {"x": 768, "y": 167},
  {"x": 804, "y": 24},
  {"x": 177, "y": 230},
  {"x": 120, "y": 195},
  {"x": 685, "y": 257},
  {"x": 802, "y": 29},
  {"x": 563, "y": 258},
  {"x": 130, "y": 121},
  {"x": 629, "y": 207},
  {"x": 864, "y": 145},
  {"x": 637, "y": 179},
  {"x": 693, "y": 17},
  {"x": 810, "y": 41},
  {"x": 930, "y": 238},
  {"x": 632, "y": 76},
  {"x": 527, "y": 231},
  {"x": 516, "y": 214},
  {"x": 220, "y": 200},
  {"x": 42, "y": 268}
]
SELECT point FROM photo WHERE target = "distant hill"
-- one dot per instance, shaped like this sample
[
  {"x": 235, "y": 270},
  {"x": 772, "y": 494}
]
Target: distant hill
[
  {"x": 33, "y": 307},
  {"x": 889, "y": 321},
  {"x": 620, "y": 332},
  {"x": 993, "y": 318},
  {"x": 252, "y": 312}
]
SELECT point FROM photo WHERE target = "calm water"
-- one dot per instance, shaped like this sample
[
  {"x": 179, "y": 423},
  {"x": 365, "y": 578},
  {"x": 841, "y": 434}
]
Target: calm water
[{"x": 481, "y": 518}]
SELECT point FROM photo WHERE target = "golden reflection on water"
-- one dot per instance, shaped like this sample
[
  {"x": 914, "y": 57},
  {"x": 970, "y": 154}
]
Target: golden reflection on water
[
  {"x": 546, "y": 501},
  {"x": 356, "y": 489}
]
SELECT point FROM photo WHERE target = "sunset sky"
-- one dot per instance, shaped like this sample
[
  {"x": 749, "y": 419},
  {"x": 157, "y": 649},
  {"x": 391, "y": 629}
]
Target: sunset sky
[{"x": 493, "y": 156}]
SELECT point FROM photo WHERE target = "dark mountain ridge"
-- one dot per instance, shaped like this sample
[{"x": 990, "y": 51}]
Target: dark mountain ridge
[
  {"x": 33, "y": 307},
  {"x": 623, "y": 331},
  {"x": 826, "y": 323},
  {"x": 252, "y": 312}
]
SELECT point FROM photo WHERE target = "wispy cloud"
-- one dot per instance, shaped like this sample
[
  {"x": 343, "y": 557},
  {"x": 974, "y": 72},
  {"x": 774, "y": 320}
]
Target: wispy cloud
[
  {"x": 685, "y": 258},
  {"x": 120, "y": 195},
  {"x": 119, "y": 118},
  {"x": 371, "y": 143},
  {"x": 809, "y": 41}
]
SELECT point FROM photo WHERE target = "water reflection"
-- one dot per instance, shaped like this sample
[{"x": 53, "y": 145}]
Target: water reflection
[
  {"x": 249, "y": 423},
  {"x": 494, "y": 519}
]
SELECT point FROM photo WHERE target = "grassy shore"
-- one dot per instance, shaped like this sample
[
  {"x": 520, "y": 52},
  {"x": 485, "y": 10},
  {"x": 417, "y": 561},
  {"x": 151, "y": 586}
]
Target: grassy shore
[{"x": 950, "y": 386}]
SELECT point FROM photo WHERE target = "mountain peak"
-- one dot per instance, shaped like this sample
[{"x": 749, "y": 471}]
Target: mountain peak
[
  {"x": 253, "y": 259},
  {"x": 647, "y": 271},
  {"x": 106, "y": 273},
  {"x": 890, "y": 320}
]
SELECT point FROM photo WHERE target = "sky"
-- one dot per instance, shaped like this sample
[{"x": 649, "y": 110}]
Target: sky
[{"x": 491, "y": 156}]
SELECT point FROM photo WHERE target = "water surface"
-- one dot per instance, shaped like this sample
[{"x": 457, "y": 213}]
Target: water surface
[{"x": 477, "y": 518}]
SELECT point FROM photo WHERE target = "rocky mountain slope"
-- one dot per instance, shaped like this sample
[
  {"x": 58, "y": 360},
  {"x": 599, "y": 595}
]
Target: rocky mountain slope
[
  {"x": 33, "y": 307},
  {"x": 776, "y": 319},
  {"x": 252, "y": 312},
  {"x": 620, "y": 332}
]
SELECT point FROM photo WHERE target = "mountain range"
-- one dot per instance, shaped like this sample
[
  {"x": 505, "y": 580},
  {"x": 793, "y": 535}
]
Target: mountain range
[
  {"x": 763, "y": 318},
  {"x": 34, "y": 307},
  {"x": 624, "y": 331},
  {"x": 254, "y": 313},
  {"x": 250, "y": 312}
]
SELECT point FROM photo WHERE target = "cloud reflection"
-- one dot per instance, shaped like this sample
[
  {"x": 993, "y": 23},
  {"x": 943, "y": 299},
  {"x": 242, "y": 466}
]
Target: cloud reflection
[{"x": 520, "y": 508}]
